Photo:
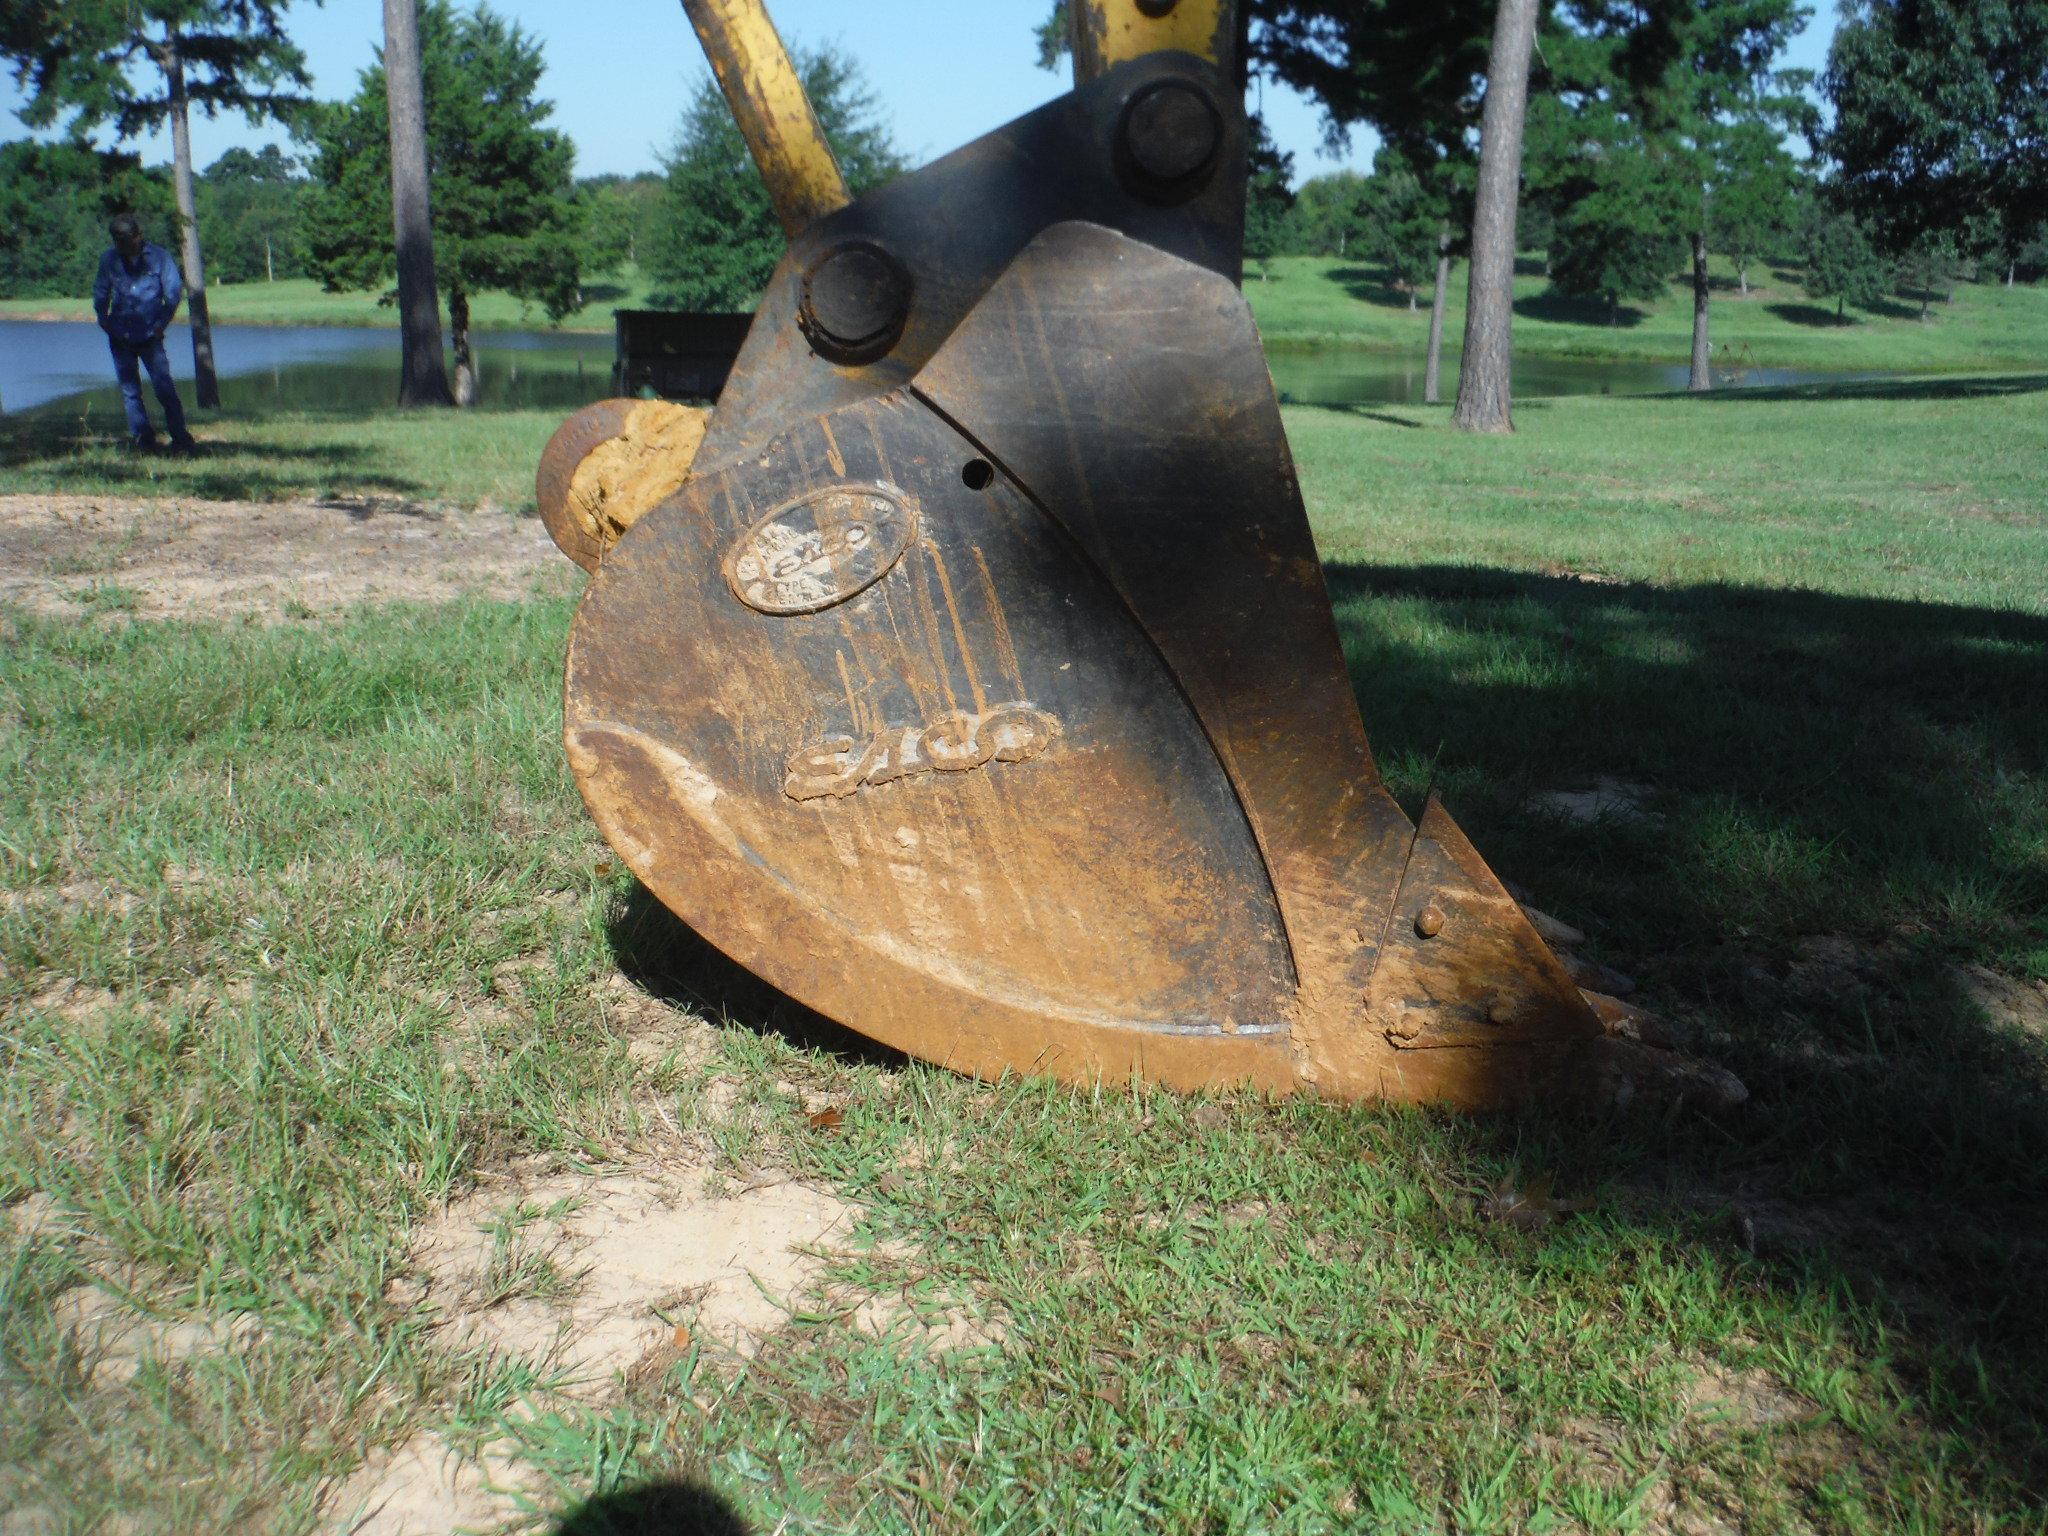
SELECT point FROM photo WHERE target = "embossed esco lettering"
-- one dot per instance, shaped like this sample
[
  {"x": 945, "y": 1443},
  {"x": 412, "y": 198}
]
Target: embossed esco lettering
[
  {"x": 1005, "y": 733},
  {"x": 820, "y": 549}
]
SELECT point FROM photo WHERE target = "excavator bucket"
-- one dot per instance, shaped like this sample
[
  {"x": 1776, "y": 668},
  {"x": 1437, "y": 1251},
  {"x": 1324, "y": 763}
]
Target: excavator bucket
[{"x": 975, "y": 683}]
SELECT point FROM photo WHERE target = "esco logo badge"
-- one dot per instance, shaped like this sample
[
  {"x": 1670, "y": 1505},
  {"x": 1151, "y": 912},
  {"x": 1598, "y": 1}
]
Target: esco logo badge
[{"x": 820, "y": 549}]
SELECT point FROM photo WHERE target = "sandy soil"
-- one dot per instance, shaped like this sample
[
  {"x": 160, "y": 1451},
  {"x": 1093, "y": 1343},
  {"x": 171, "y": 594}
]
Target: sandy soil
[{"x": 177, "y": 558}]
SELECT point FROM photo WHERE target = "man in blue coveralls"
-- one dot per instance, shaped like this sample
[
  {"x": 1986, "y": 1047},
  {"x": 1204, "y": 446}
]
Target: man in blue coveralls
[{"x": 135, "y": 296}]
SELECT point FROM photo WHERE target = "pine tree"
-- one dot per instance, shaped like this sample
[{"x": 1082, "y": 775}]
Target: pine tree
[
  {"x": 714, "y": 238},
  {"x": 505, "y": 210}
]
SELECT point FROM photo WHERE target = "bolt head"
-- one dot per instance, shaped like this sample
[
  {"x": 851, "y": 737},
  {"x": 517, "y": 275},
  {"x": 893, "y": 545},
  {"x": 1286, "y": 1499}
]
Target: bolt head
[
  {"x": 1502, "y": 1012},
  {"x": 1429, "y": 922},
  {"x": 1170, "y": 138},
  {"x": 855, "y": 299}
]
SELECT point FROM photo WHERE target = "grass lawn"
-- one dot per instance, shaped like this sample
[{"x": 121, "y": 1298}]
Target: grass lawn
[
  {"x": 304, "y": 933},
  {"x": 302, "y": 301},
  {"x": 1317, "y": 299}
]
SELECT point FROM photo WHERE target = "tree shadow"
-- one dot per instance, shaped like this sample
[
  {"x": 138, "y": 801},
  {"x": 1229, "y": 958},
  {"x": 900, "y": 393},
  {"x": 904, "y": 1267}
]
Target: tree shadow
[
  {"x": 71, "y": 451},
  {"x": 1892, "y": 309},
  {"x": 1572, "y": 309},
  {"x": 603, "y": 293},
  {"x": 1846, "y": 807},
  {"x": 1811, "y": 314},
  {"x": 1531, "y": 266},
  {"x": 654, "y": 1509},
  {"x": 1968, "y": 387},
  {"x": 1371, "y": 285}
]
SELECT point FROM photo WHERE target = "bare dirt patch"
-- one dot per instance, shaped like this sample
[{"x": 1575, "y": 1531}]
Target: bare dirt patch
[
  {"x": 588, "y": 1276},
  {"x": 66, "y": 556}
]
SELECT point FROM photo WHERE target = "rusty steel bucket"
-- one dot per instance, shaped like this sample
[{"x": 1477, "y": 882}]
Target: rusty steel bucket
[{"x": 975, "y": 682}]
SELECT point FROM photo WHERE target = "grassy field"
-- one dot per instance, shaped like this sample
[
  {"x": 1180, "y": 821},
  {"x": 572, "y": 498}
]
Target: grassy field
[
  {"x": 1315, "y": 299},
  {"x": 302, "y": 301},
  {"x": 305, "y": 933},
  {"x": 1308, "y": 299}
]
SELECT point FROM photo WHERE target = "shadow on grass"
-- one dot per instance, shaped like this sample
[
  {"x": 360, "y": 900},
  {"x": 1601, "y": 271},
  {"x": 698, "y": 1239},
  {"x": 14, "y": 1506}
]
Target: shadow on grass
[
  {"x": 73, "y": 451},
  {"x": 1566, "y": 309},
  {"x": 1374, "y": 285},
  {"x": 1849, "y": 803},
  {"x": 1852, "y": 807},
  {"x": 1811, "y": 314},
  {"x": 1962, "y": 388},
  {"x": 656, "y": 1509}
]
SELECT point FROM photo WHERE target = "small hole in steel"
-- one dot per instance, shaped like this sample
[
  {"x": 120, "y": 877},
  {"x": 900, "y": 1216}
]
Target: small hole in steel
[{"x": 976, "y": 474}]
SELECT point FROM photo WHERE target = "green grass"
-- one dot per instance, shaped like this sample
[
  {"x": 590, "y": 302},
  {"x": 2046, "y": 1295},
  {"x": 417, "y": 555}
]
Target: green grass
[
  {"x": 1318, "y": 299},
  {"x": 355, "y": 927},
  {"x": 471, "y": 458},
  {"x": 302, "y": 301}
]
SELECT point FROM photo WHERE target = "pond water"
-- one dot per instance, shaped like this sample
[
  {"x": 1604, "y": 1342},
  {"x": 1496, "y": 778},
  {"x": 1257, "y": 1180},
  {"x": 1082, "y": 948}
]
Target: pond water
[
  {"x": 316, "y": 367},
  {"x": 301, "y": 366}
]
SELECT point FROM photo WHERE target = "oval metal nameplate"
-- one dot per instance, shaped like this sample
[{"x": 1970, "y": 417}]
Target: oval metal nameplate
[{"x": 820, "y": 549}]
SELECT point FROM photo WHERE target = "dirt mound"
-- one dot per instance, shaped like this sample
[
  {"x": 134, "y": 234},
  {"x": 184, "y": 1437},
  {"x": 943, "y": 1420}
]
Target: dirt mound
[{"x": 69, "y": 556}]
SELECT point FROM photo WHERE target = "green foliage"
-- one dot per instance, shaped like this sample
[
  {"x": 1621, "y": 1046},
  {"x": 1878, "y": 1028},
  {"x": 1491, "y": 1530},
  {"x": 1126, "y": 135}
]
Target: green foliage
[
  {"x": 1756, "y": 200},
  {"x": 506, "y": 215},
  {"x": 1689, "y": 87},
  {"x": 1405, "y": 220},
  {"x": 714, "y": 239},
  {"x": 249, "y": 205},
  {"x": 1621, "y": 229},
  {"x": 616, "y": 213},
  {"x": 1941, "y": 117},
  {"x": 76, "y": 61},
  {"x": 1841, "y": 262},
  {"x": 54, "y": 204},
  {"x": 1268, "y": 200},
  {"x": 1330, "y": 215}
]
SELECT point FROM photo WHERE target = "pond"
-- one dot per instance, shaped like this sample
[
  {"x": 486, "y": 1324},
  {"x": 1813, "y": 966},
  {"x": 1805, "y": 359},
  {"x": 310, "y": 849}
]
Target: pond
[
  {"x": 322, "y": 367},
  {"x": 311, "y": 367}
]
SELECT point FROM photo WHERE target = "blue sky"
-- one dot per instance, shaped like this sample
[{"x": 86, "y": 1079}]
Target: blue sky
[{"x": 946, "y": 71}]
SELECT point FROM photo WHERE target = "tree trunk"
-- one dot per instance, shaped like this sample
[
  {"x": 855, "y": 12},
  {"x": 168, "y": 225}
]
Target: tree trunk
[
  {"x": 465, "y": 365},
  {"x": 423, "y": 376},
  {"x": 2010, "y": 267},
  {"x": 269, "y": 268},
  {"x": 1432, "y": 372},
  {"x": 1485, "y": 394},
  {"x": 1702, "y": 346},
  {"x": 1742, "y": 276},
  {"x": 205, "y": 386}
]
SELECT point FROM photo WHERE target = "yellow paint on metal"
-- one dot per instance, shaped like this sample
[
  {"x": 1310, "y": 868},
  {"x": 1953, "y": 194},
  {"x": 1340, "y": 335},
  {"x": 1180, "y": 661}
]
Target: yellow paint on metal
[
  {"x": 624, "y": 477},
  {"x": 774, "y": 115},
  {"x": 1108, "y": 32}
]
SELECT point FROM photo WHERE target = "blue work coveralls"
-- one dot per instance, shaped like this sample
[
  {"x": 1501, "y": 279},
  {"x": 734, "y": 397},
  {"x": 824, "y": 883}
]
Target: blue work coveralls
[{"x": 134, "y": 304}]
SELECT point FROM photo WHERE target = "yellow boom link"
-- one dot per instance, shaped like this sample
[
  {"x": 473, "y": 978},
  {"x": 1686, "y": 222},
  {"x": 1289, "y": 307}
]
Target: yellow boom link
[
  {"x": 1107, "y": 32},
  {"x": 767, "y": 98}
]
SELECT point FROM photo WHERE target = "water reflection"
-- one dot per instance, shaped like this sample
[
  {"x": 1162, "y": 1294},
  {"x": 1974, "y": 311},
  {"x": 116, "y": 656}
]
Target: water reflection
[{"x": 300, "y": 367}]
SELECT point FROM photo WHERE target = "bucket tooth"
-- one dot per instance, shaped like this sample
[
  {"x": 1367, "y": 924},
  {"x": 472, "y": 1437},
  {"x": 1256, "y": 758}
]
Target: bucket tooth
[{"x": 1472, "y": 1004}]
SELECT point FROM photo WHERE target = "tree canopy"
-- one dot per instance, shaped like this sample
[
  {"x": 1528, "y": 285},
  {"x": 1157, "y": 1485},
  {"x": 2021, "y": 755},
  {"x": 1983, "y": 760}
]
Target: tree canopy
[
  {"x": 505, "y": 211},
  {"x": 713, "y": 239},
  {"x": 1941, "y": 117}
]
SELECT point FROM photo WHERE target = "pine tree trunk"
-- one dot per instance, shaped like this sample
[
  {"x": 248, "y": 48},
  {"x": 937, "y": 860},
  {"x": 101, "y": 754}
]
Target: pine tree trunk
[
  {"x": 1702, "y": 346},
  {"x": 1485, "y": 391},
  {"x": 423, "y": 376},
  {"x": 465, "y": 365},
  {"x": 205, "y": 386},
  {"x": 1432, "y": 372}
]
